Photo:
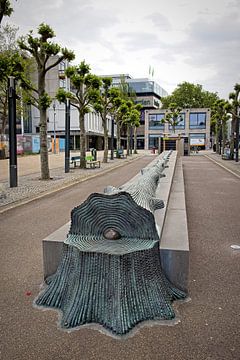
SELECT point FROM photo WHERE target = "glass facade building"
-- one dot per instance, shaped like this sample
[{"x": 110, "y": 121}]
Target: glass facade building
[{"x": 146, "y": 86}]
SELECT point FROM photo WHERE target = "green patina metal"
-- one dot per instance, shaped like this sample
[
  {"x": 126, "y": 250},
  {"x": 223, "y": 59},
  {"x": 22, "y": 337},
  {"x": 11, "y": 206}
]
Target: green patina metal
[{"x": 110, "y": 272}]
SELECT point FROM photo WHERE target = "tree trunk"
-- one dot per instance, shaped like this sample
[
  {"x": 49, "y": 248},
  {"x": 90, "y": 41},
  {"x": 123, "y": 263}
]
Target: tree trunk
[
  {"x": 105, "y": 130},
  {"x": 128, "y": 140},
  {"x": 217, "y": 137},
  {"x": 43, "y": 129},
  {"x": 135, "y": 140},
  {"x": 237, "y": 139},
  {"x": 43, "y": 145},
  {"x": 82, "y": 141},
  {"x": 232, "y": 139},
  {"x": 224, "y": 136},
  {"x": 118, "y": 136},
  {"x": 4, "y": 114}
]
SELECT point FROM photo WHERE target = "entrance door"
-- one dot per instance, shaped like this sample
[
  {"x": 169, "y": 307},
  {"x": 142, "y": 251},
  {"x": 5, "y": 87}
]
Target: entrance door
[{"x": 170, "y": 144}]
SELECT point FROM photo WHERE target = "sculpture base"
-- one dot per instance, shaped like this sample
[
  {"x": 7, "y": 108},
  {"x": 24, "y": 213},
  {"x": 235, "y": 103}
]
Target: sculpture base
[{"x": 116, "y": 291}]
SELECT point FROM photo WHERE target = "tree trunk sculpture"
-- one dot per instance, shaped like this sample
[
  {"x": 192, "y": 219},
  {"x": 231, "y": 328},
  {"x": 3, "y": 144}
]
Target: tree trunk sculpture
[{"x": 110, "y": 272}]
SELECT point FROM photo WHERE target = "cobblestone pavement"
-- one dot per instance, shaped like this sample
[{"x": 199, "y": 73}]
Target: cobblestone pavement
[{"x": 30, "y": 186}]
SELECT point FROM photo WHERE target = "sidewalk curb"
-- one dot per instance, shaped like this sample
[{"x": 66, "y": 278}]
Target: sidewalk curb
[
  {"x": 224, "y": 167},
  {"x": 63, "y": 187}
]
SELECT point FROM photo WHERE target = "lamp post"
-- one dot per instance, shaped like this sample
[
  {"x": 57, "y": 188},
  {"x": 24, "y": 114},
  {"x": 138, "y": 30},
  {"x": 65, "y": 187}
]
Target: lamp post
[
  {"x": 67, "y": 135},
  {"x": 112, "y": 139},
  {"x": 54, "y": 127},
  {"x": 12, "y": 131},
  {"x": 131, "y": 139},
  {"x": 237, "y": 137}
]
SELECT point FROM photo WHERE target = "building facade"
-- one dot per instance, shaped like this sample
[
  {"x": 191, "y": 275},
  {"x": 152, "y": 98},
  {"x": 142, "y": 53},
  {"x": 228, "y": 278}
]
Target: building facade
[
  {"x": 147, "y": 92},
  {"x": 193, "y": 129},
  {"x": 55, "y": 79}
]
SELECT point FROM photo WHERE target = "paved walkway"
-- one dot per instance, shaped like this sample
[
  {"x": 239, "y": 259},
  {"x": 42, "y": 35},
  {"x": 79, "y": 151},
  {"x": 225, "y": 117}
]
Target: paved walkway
[
  {"x": 208, "y": 327},
  {"x": 30, "y": 186}
]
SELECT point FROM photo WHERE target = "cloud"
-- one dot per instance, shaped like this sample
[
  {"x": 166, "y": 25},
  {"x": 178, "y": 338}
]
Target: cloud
[
  {"x": 160, "y": 21},
  {"x": 80, "y": 21},
  {"x": 134, "y": 41},
  {"x": 211, "y": 51}
]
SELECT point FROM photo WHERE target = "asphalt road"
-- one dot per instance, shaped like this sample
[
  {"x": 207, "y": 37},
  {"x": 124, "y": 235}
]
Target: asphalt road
[{"x": 209, "y": 326}]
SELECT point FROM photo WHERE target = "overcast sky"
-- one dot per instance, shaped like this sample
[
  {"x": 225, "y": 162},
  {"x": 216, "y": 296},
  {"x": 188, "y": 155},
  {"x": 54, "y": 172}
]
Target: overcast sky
[{"x": 183, "y": 40}]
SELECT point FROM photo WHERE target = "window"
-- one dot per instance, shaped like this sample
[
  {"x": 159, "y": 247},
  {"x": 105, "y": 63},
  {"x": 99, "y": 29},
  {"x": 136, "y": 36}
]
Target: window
[
  {"x": 153, "y": 141},
  {"x": 62, "y": 83},
  {"x": 181, "y": 123},
  {"x": 155, "y": 121},
  {"x": 197, "y": 121},
  {"x": 197, "y": 140}
]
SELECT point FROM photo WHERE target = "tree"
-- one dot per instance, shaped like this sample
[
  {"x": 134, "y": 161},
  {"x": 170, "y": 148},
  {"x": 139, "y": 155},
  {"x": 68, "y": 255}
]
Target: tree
[
  {"x": 11, "y": 64},
  {"x": 104, "y": 105},
  {"x": 5, "y": 9},
  {"x": 126, "y": 94},
  {"x": 219, "y": 119},
  {"x": 119, "y": 109},
  {"x": 136, "y": 123},
  {"x": 86, "y": 88},
  {"x": 131, "y": 119},
  {"x": 188, "y": 95},
  {"x": 233, "y": 108},
  {"x": 47, "y": 55},
  {"x": 173, "y": 116}
]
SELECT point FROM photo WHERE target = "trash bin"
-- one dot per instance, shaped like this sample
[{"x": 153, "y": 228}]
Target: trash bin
[
  {"x": 94, "y": 154},
  {"x": 2, "y": 154}
]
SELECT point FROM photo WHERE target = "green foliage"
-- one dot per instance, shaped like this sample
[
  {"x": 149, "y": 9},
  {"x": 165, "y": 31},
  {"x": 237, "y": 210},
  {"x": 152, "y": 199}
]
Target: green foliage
[
  {"x": 11, "y": 64},
  {"x": 46, "y": 32},
  {"x": 44, "y": 101},
  {"x": 219, "y": 118},
  {"x": 234, "y": 102},
  {"x": 173, "y": 116},
  {"x": 62, "y": 95},
  {"x": 42, "y": 50},
  {"x": 188, "y": 95},
  {"x": 5, "y": 9}
]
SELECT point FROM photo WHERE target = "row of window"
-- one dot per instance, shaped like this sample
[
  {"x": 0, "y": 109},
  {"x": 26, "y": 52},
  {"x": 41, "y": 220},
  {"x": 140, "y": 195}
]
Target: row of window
[
  {"x": 194, "y": 140},
  {"x": 196, "y": 121}
]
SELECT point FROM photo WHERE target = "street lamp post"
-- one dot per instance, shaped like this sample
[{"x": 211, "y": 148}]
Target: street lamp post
[
  {"x": 112, "y": 139},
  {"x": 131, "y": 139},
  {"x": 67, "y": 136},
  {"x": 54, "y": 127},
  {"x": 12, "y": 132},
  {"x": 237, "y": 137}
]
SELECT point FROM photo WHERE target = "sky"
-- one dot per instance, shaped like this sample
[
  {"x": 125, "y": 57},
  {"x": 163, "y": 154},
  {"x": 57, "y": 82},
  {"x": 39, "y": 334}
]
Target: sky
[{"x": 197, "y": 41}]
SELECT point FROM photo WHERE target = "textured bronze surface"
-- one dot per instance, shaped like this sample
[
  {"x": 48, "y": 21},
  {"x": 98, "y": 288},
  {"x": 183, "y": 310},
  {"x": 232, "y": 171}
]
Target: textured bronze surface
[{"x": 110, "y": 272}]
